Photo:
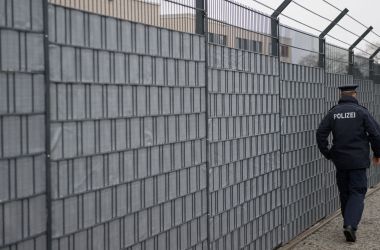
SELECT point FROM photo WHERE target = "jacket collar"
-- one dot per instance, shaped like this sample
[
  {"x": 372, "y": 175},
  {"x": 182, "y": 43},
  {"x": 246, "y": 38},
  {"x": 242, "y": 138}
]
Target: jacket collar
[{"x": 348, "y": 99}]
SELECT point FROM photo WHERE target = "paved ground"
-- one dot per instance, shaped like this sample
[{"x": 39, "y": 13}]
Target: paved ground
[{"x": 330, "y": 236}]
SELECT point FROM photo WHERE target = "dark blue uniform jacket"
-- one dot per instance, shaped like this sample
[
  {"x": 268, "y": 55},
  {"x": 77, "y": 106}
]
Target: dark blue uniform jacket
[{"x": 353, "y": 128}]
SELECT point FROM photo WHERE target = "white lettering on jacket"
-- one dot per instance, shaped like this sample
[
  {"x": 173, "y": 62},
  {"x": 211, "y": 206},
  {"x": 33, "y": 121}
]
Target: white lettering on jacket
[{"x": 348, "y": 115}]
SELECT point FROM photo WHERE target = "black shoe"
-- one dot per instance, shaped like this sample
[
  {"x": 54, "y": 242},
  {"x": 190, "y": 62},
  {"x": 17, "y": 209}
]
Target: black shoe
[{"x": 349, "y": 232}]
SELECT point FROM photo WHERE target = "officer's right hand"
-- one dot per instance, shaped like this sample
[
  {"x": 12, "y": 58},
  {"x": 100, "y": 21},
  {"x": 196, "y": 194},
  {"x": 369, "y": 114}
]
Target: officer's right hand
[{"x": 376, "y": 161}]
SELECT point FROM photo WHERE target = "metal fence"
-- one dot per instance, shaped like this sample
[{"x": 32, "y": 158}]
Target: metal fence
[
  {"x": 367, "y": 93},
  {"x": 244, "y": 131},
  {"x": 302, "y": 168},
  {"x": 302, "y": 100},
  {"x": 128, "y": 134},
  {"x": 298, "y": 47},
  {"x": 166, "y": 126},
  {"x": 361, "y": 67},
  {"x": 336, "y": 59},
  {"x": 375, "y": 172},
  {"x": 22, "y": 134}
]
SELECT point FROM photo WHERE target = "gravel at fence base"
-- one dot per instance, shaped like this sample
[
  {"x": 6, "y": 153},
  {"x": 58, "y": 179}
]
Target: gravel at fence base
[{"x": 330, "y": 236}]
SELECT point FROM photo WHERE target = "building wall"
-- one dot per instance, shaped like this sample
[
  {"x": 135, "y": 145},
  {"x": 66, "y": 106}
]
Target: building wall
[
  {"x": 22, "y": 126},
  {"x": 129, "y": 10}
]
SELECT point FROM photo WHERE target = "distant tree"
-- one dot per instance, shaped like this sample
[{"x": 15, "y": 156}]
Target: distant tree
[
  {"x": 336, "y": 59},
  {"x": 371, "y": 49},
  {"x": 310, "y": 60}
]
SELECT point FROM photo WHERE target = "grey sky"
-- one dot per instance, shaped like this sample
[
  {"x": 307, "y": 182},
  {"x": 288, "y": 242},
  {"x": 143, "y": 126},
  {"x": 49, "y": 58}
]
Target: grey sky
[{"x": 366, "y": 11}]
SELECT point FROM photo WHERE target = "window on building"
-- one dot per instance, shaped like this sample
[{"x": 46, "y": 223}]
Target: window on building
[
  {"x": 284, "y": 50},
  {"x": 250, "y": 45},
  {"x": 217, "y": 39}
]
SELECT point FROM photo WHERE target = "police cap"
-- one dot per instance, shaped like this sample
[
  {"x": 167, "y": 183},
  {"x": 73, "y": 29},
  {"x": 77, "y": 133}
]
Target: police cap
[{"x": 348, "y": 88}]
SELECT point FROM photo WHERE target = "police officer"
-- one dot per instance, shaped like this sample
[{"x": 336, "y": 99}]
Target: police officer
[{"x": 353, "y": 128}]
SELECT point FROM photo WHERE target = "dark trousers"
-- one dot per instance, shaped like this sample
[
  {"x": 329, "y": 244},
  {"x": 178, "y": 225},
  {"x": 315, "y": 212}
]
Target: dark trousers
[{"x": 352, "y": 185}]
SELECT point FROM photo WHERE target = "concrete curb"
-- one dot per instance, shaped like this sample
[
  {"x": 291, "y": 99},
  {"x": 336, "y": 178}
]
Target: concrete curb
[{"x": 293, "y": 243}]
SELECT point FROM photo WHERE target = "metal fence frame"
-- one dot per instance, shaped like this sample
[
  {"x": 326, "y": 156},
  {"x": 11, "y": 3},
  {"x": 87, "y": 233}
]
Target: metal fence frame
[{"x": 246, "y": 56}]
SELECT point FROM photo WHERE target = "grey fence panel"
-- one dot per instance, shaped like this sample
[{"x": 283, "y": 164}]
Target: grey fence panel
[
  {"x": 128, "y": 134},
  {"x": 366, "y": 93},
  {"x": 376, "y": 101},
  {"x": 337, "y": 60},
  {"x": 22, "y": 126},
  {"x": 366, "y": 96},
  {"x": 333, "y": 81},
  {"x": 375, "y": 178},
  {"x": 302, "y": 108},
  {"x": 244, "y": 130},
  {"x": 128, "y": 120}
]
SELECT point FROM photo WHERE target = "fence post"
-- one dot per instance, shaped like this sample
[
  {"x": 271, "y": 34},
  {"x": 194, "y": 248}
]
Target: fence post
[
  {"x": 201, "y": 28},
  {"x": 200, "y": 17},
  {"x": 275, "y": 34},
  {"x": 45, "y": 5},
  {"x": 322, "y": 53},
  {"x": 275, "y": 23},
  {"x": 372, "y": 64},
  {"x": 322, "y": 41},
  {"x": 281, "y": 8},
  {"x": 276, "y": 51},
  {"x": 351, "y": 61},
  {"x": 351, "y": 51}
]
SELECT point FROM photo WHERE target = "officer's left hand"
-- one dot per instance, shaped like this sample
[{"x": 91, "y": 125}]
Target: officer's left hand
[{"x": 376, "y": 161}]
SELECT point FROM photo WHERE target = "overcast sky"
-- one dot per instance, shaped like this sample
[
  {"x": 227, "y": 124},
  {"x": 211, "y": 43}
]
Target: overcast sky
[{"x": 366, "y": 11}]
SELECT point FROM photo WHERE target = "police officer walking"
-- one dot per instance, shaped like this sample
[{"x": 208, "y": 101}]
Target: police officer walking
[{"x": 353, "y": 128}]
